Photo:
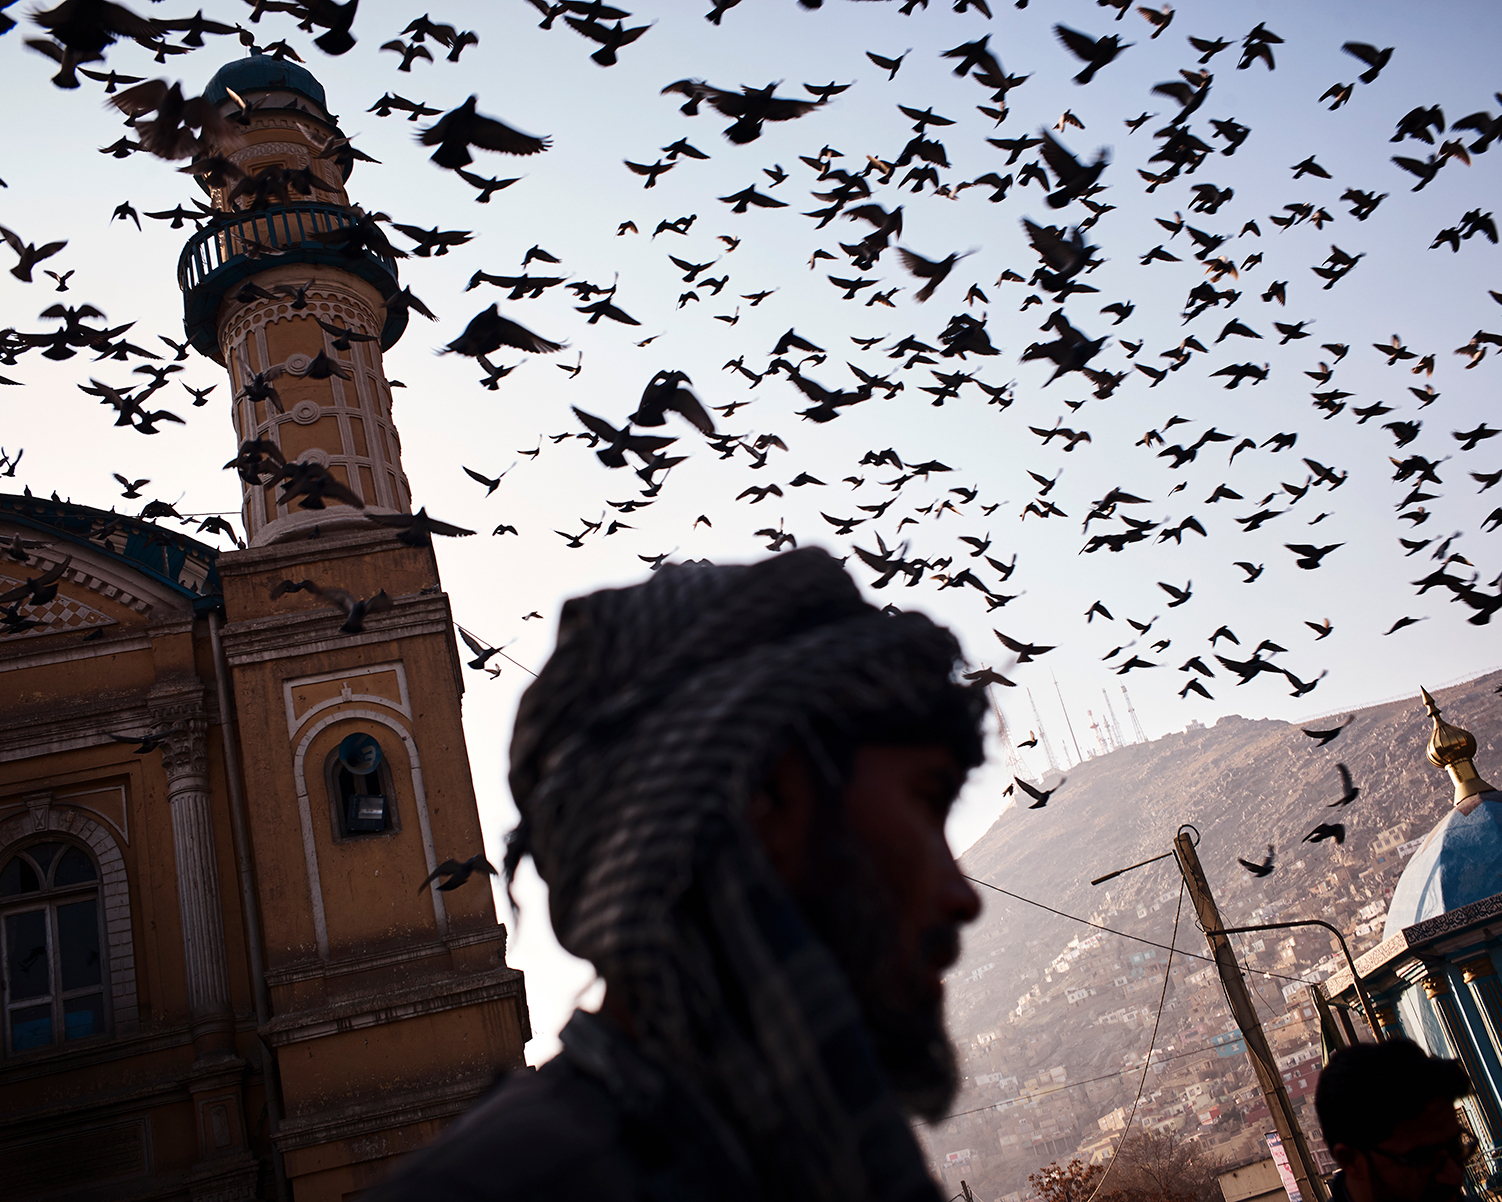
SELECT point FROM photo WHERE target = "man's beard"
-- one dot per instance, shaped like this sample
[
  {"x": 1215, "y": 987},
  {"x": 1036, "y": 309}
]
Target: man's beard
[
  {"x": 1435, "y": 1191},
  {"x": 851, "y": 912}
]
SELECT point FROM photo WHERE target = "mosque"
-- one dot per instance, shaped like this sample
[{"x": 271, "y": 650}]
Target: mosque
[
  {"x": 226, "y": 975},
  {"x": 1433, "y": 978}
]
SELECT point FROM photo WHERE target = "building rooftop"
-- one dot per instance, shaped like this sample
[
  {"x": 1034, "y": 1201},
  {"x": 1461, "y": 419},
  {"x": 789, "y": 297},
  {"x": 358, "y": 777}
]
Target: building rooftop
[{"x": 171, "y": 558}]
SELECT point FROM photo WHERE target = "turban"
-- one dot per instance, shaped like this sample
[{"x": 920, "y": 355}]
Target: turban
[{"x": 635, "y": 752}]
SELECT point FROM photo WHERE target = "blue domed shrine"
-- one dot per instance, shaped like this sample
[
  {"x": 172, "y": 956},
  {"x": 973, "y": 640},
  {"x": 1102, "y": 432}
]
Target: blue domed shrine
[{"x": 1433, "y": 978}]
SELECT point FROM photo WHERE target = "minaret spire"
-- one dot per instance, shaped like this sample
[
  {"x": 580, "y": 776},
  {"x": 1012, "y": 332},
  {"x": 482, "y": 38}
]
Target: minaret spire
[{"x": 1453, "y": 750}]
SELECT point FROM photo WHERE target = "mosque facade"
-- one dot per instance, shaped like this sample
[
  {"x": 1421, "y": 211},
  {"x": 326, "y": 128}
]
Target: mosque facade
[
  {"x": 1434, "y": 976},
  {"x": 227, "y": 975}
]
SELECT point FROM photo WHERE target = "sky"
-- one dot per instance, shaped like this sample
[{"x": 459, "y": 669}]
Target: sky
[{"x": 573, "y": 199}]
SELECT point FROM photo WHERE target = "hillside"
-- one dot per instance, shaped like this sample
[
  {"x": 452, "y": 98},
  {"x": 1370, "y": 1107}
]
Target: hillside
[{"x": 1244, "y": 783}]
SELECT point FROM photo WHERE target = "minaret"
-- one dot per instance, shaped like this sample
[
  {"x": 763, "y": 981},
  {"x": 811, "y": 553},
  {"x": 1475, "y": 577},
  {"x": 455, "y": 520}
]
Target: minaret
[
  {"x": 277, "y": 244},
  {"x": 386, "y": 1003},
  {"x": 1453, "y": 750}
]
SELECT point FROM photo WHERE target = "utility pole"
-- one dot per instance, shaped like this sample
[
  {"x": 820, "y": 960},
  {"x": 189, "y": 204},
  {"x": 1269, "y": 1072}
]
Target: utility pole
[{"x": 1301, "y": 1161}]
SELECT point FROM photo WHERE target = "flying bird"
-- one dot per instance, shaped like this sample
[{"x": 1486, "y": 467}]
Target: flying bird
[
  {"x": 455, "y": 132},
  {"x": 1349, "y": 792},
  {"x": 355, "y": 609},
  {"x": 1309, "y": 557},
  {"x": 1095, "y": 53},
  {"x": 458, "y": 872},
  {"x": 417, "y": 529},
  {"x": 1263, "y": 869},
  {"x": 480, "y": 478},
  {"x": 1374, "y": 59},
  {"x": 1040, "y": 796},
  {"x": 483, "y": 651},
  {"x": 489, "y": 331},
  {"x": 664, "y": 392},
  {"x": 150, "y": 741},
  {"x": 1026, "y": 652},
  {"x": 1325, "y": 736}
]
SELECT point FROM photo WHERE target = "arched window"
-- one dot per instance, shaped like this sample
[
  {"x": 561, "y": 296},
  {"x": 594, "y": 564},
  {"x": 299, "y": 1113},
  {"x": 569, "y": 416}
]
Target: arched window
[
  {"x": 51, "y": 941},
  {"x": 361, "y": 795}
]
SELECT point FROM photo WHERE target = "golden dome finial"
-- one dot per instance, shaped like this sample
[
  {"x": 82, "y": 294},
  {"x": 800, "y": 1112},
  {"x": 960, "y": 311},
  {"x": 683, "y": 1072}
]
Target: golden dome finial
[{"x": 1453, "y": 750}]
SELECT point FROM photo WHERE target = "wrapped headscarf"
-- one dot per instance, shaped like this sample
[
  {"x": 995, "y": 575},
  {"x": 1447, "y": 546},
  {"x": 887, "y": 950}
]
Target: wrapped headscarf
[{"x": 635, "y": 753}]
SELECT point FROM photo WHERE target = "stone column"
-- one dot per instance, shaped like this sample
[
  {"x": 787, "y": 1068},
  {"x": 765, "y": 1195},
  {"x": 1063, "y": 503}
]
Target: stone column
[
  {"x": 1437, "y": 990},
  {"x": 1480, "y": 976},
  {"x": 185, "y": 759},
  {"x": 1387, "y": 1019}
]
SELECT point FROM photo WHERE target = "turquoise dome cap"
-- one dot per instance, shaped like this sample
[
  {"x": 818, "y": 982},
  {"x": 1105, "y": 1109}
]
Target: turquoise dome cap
[{"x": 262, "y": 73}]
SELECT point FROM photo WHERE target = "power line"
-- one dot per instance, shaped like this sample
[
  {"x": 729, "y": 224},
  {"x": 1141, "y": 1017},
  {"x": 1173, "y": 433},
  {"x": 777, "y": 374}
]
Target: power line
[
  {"x": 1152, "y": 1040},
  {"x": 501, "y": 653},
  {"x": 1048, "y": 1093},
  {"x": 1198, "y": 1050},
  {"x": 523, "y": 667},
  {"x": 1124, "y": 934}
]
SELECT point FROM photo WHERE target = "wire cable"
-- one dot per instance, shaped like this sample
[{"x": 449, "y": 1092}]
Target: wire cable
[
  {"x": 1147, "y": 1063},
  {"x": 523, "y": 667},
  {"x": 1198, "y": 1050},
  {"x": 1113, "y": 931},
  {"x": 500, "y": 652}
]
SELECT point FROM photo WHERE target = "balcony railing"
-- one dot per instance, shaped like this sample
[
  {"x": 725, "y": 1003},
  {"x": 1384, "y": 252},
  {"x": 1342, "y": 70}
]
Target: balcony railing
[
  {"x": 253, "y": 235},
  {"x": 229, "y": 251}
]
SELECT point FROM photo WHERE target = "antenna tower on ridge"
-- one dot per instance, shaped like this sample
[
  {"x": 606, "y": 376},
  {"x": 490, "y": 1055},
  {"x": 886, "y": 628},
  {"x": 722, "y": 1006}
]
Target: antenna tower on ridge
[
  {"x": 1014, "y": 760},
  {"x": 1113, "y": 723},
  {"x": 1042, "y": 734},
  {"x": 1132, "y": 714},
  {"x": 1099, "y": 729},
  {"x": 1078, "y": 756}
]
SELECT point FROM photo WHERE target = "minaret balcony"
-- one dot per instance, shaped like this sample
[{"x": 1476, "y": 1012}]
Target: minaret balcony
[{"x": 228, "y": 252}]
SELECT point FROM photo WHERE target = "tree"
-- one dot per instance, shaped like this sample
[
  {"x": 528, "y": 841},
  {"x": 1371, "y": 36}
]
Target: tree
[
  {"x": 1152, "y": 1166},
  {"x": 1074, "y": 1182},
  {"x": 1161, "y": 1166}
]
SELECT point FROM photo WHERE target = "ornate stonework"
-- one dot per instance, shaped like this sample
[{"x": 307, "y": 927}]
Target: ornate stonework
[
  {"x": 185, "y": 755},
  {"x": 349, "y": 421}
]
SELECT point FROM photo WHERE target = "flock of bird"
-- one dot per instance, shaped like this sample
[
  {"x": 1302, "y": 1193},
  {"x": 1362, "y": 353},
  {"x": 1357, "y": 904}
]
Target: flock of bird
[
  {"x": 858, "y": 223},
  {"x": 1349, "y": 792}
]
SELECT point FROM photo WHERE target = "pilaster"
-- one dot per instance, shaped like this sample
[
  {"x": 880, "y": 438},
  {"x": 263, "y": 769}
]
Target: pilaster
[{"x": 185, "y": 760}]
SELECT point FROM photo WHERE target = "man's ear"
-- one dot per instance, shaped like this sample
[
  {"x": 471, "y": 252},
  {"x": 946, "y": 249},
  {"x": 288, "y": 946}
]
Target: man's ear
[
  {"x": 781, "y": 813},
  {"x": 1347, "y": 1157}
]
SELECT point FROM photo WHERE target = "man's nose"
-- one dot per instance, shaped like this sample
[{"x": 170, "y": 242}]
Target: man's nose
[
  {"x": 1451, "y": 1172},
  {"x": 959, "y": 900}
]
